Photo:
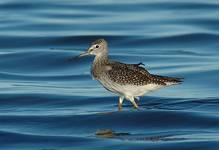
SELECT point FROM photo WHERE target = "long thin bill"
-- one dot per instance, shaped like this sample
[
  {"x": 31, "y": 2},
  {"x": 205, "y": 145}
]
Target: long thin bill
[
  {"x": 79, "y": 56},
  {"x": 83, "y": 54}
]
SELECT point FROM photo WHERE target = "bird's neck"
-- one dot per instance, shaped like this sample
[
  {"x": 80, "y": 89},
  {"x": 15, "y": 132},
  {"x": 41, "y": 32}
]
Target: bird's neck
[
  {"x": 101, "y": 58},
  {"x": 98, "y": 63}
]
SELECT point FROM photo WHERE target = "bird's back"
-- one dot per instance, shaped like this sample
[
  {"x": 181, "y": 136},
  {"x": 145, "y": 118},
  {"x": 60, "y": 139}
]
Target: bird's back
[{"x": 135, "y": 74}]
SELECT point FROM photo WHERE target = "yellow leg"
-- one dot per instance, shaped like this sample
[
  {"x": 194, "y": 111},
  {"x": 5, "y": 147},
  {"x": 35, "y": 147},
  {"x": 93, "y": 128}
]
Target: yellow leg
[
  {"x": 121, "y": 98},
  {"x": 132, "y": 100}
]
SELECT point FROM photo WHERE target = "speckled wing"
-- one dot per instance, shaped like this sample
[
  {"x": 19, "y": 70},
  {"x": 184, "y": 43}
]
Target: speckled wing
[{"x": 132, "y": 74}]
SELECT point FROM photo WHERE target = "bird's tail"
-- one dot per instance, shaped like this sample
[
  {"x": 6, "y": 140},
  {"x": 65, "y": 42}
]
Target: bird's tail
[{"x": 168, "y": 80}]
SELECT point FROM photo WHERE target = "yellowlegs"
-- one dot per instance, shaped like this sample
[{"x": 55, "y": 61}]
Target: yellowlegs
[{"x": 129, "y": 81}]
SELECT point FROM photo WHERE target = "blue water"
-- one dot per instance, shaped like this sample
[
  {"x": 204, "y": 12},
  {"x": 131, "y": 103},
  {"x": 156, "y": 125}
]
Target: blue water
[{"x": 50, "y": 103}]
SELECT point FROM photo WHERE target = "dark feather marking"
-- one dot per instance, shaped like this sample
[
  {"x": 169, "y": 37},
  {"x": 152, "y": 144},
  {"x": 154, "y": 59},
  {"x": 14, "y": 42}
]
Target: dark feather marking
[
  {"x": 168, "y": 79},
  {"x": 130, "y": 74},
  {"x": 135, "y": 74}
]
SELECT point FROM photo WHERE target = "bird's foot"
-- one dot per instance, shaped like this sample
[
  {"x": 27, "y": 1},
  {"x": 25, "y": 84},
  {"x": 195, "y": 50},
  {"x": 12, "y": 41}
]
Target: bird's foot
[{"x": 135, "y": 105}]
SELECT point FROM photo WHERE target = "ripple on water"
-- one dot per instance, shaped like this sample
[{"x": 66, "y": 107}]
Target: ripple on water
[{"x": 50, "y": 103}]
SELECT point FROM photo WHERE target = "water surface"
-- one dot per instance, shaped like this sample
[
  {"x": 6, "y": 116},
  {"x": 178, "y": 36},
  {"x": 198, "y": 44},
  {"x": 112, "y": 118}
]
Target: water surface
[{"x": 50, "y": 103}]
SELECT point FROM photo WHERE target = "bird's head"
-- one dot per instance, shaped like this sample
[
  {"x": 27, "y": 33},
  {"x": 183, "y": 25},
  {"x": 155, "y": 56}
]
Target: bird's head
[{"x": 97, "y": 47}]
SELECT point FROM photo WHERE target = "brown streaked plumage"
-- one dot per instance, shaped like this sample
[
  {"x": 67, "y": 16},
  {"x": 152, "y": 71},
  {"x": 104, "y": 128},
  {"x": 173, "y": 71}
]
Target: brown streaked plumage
[{"x": 129, "y": 81}]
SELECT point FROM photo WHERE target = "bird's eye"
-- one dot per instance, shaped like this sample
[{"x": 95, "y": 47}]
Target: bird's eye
[{"x": 97, "y": 46}]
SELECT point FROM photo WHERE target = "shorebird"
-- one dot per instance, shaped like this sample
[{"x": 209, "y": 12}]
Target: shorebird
[{"x": 128, "y": 81}]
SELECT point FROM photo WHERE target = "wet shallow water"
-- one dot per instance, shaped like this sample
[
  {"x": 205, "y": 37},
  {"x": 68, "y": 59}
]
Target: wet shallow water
[{"x": 49, "y": 102}]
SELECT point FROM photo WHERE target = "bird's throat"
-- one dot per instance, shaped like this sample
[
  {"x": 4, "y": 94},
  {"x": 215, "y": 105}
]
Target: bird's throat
[{"x": 98, "y": 63}]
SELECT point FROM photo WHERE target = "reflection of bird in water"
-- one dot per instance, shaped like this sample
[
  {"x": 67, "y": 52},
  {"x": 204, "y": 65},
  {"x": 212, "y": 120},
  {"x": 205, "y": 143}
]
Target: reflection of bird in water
[{"x": 129, "y": 81}]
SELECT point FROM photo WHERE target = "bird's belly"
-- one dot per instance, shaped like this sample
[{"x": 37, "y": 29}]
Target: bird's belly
[
  {"x": 128, "y": 89},
  {"x": 134, "y": 90}
]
